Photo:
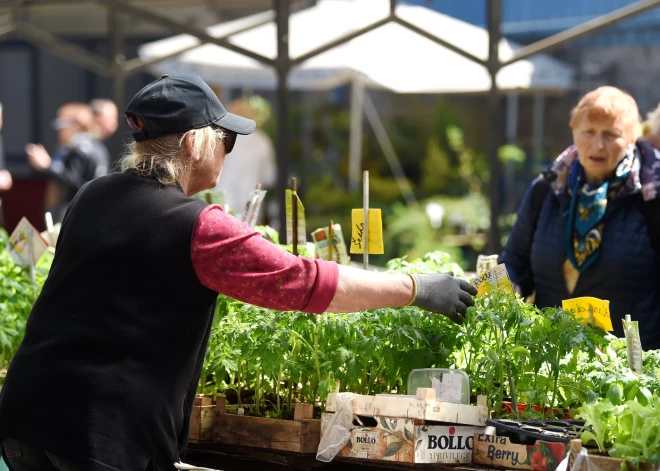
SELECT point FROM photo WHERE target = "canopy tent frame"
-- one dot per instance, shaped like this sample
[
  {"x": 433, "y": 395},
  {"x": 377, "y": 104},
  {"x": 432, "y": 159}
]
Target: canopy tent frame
[{"x": 118, "y": 69}]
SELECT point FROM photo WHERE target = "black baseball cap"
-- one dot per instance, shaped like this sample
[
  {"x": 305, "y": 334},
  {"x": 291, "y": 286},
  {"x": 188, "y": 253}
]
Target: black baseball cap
[{"x": 174, "y": 105}]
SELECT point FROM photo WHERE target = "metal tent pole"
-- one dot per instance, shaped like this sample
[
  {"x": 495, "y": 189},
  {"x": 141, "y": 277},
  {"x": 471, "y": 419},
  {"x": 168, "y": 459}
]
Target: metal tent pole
[
  {"x": 355, "y": 138},
  {"x": 282, "y": 65},
  {"x": 494, "y": 19}
]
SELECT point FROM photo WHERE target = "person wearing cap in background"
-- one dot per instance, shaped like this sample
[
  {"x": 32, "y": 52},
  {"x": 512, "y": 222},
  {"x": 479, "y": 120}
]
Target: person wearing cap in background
[
  {"x": 120, "y": 328},
  {"x": 6, "y": 181},
  {"x": 80, "y": 157}
]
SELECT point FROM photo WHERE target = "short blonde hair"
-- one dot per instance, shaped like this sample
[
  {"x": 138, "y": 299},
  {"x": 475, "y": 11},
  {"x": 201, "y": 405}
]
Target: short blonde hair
[
  {"x": 611, "y": 105},
  {"x": 166, "y": 157}
]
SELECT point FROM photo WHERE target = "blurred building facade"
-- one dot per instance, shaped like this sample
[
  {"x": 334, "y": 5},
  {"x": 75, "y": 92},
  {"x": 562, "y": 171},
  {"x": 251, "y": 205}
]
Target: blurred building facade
[{"x": 34, "y": 82}]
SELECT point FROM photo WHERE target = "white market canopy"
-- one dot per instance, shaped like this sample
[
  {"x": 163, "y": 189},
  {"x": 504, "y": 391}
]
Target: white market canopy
[{"x": 392, "y": 56}]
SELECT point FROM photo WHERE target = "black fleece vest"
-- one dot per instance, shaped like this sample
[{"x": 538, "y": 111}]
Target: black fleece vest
[{"x": 114, "y": 346}]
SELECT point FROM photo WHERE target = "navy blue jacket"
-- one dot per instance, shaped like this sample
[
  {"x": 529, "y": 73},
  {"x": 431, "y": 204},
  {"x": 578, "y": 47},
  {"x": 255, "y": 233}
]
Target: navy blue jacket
[{"x": 626, "y": 272}]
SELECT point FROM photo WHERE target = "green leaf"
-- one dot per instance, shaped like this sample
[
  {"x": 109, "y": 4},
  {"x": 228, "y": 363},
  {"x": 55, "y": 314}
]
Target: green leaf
[
  {"x": 644, "y": 396},
  {"x": 408, "y": 433},
  {"x": 621, "y": 450},
  {"x": 518, "y": 350},
  {"x": 383, "y": 422},
  {"x": 419, "y": 443},
  {"x": 393, "y": 448},
  {"x": 587, "y": 437},
  {"x": 615, "y": 394}
]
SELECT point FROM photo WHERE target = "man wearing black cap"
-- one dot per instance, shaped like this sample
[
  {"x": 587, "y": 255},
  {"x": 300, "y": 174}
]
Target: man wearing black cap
[{"x": 120, "y": 328}]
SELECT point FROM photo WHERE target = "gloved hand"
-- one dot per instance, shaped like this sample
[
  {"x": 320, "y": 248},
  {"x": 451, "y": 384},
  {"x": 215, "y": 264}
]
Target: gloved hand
[{"x": 444, "y": 294}]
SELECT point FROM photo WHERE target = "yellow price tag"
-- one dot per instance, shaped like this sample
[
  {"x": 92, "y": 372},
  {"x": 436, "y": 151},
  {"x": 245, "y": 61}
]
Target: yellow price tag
[
  {"x": 590, "y": 310},
  {"x": 375, "y": 231},
  {"x": 495, "y": 278}
]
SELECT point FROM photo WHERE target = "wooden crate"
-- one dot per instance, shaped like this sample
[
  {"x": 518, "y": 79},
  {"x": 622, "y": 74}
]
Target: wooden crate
[
  {"x": 422, "y": 407},
  {"x": 605, "y": 463},
  {"x": 498, "y": 451},
  {"x": 410, "y": 441},
  {"x": 300, "y": 435}
]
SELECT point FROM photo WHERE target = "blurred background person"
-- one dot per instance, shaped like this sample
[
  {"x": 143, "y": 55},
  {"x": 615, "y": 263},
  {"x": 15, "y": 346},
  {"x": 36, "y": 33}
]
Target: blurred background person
[
  {"x": 589, "y": 225},
  {"x": 6, "y": 181},
  {"x": 106, "y": 116},
  {"x": 80, "y": 157},
  {"x": 252, "y": 161}
]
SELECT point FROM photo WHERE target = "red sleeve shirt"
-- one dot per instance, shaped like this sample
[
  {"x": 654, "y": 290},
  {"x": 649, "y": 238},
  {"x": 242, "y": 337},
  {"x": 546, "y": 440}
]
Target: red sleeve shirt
[{"x": 234, "y": 260}]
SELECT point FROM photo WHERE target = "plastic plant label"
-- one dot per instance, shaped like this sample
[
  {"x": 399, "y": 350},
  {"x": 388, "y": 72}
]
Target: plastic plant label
[
  {"x": 302, "y": 231},
  {"x": 495, "y": 278},
  {"x": 486, "y": 262},
  {"x": 252, "y": 207},
  {"x": 26, "y": 246},
  {"x": 375, "y": 235},
  {"x": 448, "y": 388},
  {"x": 633, "y": 344},
  {"x": 590, "y": 310},
  {"x": 321, "y": 242}
]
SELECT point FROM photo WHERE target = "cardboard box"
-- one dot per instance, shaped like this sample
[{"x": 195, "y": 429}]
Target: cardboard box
[
  {"x": 401, "y": 440},
  {"x": 493, "y": 450},
  {"x": 422, "y": 406}
]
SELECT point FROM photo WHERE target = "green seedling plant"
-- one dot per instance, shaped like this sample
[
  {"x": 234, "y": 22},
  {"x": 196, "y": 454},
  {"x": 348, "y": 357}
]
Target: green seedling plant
[
  {"x": 17, "y": 296},
  {"x": 269, "y": 360},
  {"x": 514, "y": 351},
  {"x": 628, "y": 429}
]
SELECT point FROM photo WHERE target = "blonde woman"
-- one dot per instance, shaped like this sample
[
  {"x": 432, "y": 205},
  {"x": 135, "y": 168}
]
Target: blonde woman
[
  {"x": 589, "y": 225},
  {"x": 120, "y": 329}
]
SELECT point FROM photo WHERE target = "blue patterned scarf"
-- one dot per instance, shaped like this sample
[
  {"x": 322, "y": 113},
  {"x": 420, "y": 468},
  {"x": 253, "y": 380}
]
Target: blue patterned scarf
[{"x": 584, "y": 225}]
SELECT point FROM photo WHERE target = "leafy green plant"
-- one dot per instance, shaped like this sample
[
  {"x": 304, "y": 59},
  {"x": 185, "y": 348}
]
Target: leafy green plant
[
  {"x": 268, "y": 360},
  {"x": 271, "y": 359},
  {"x": 514, "y": 351},
  {"x": 432, "y": 262},
  {"x": 630, "y": 429},
  {"x": 17, "y": 295}
]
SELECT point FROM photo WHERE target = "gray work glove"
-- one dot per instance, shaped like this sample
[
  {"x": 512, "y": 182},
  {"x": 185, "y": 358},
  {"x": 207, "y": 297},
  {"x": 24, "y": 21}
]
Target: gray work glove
[{"x": 444, "y": 294}]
